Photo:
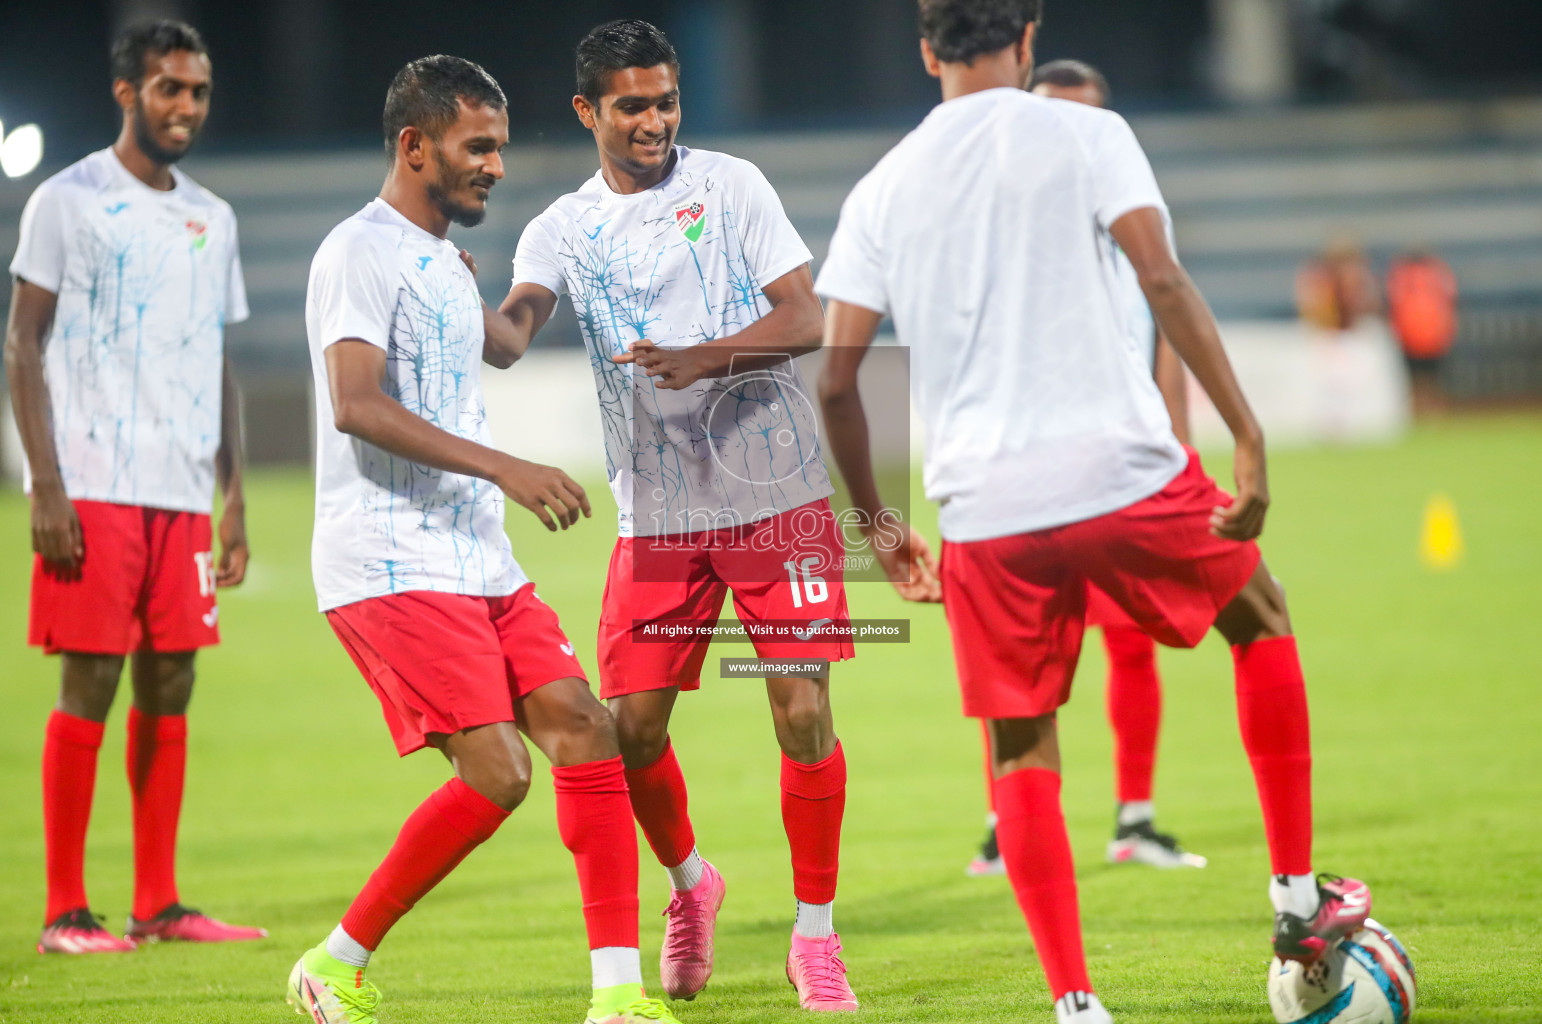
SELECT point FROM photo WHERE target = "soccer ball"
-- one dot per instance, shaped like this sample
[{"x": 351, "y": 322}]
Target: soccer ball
[{"x": 1366, "y": 978}]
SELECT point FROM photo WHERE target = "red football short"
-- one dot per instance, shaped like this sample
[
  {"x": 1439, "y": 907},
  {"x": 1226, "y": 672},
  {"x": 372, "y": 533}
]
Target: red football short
[
  {"x": 441, "y": 663},
  {"x": 1104, "y": 613},
  {"x": 146, "y": 584},
  {"x": 785, "y": 571},
  {"x": 1017, "y": 605}
]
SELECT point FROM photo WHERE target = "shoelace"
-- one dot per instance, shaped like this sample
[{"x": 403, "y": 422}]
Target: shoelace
[
  {"x": 685, "y": 931},
  {"x": 649, "y": 1009},
  {"x": 824, "y": 972},
  {"x": 365, "y": 998}
]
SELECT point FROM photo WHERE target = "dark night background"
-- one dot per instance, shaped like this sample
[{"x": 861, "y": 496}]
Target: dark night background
[{"x": 307, "y": 74}]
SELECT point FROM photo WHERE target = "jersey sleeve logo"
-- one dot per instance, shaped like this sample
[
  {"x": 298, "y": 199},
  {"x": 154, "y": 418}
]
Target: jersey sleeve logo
[
  {"x": 691, "y": 220},
  {"x": 197, "y": 233}
]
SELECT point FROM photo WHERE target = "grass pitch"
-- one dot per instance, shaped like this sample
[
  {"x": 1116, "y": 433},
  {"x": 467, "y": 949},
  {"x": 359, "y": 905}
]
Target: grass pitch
[{"x": 1426, "y": 717}]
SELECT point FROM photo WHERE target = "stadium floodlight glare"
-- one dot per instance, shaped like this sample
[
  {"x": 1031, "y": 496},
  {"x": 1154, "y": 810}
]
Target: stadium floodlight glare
[{"x": 21, "y": 151}]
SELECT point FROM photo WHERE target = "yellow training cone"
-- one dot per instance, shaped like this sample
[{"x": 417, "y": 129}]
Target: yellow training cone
[{"x": 1440, "y": 545}]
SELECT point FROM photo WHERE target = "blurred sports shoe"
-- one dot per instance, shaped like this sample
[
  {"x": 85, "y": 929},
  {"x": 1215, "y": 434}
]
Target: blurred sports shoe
[
  {"x": 330, "y": 991},
  {"x": 988, "y": 861},
  {"x": 685, "y": 961},
  {"x": 80, "y": 932},
  {"x": 626, "y": 1004},
  {"x": 184, "y": 924},
  {"x": 1141, "y": 843},
  {"x": 815, "y": 969},
  {"x": 1343, "y": 905},
  {"x": 1081, "y": 1008}
]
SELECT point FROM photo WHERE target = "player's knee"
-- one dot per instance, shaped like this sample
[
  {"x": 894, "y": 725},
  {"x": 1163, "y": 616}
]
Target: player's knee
[
  {"x": 803, "y": 726},
  {"x": 590, "y": 720},
  {"x": 505, "y": 782},
  {"x": 1258, "y": 612},
  {"x": 87, "y": 684},
  {"x": 642, "y": 738}
]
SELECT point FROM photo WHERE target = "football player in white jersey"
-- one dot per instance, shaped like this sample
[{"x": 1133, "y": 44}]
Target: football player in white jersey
[
  {"x": 1134, "y": 688},
  {"x": 1053, "y": 457},
  {"x": 412, "y": 566},
  {"x": 125, "y": 276},
  {"x": 692, "y": 290}
]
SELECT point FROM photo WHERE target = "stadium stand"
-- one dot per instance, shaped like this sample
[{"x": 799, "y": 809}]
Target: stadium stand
[{"x": 1253, "y": 193}]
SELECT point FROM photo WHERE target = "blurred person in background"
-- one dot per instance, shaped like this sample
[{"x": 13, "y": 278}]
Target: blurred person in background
[
  {"x": 126, "y": 273},
  {"x": 1336, "y": 289},
  {"x": 1134, "y": 689},
  {"x": 1421, "y": 305}
]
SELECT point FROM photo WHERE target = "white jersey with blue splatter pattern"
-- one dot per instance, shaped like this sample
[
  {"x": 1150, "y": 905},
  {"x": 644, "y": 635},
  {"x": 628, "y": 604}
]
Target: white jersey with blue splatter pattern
[
  {"x": 146, "y": 281},
  {"x": 680, "y": 264},
  {"x": 384, "y": 524}
]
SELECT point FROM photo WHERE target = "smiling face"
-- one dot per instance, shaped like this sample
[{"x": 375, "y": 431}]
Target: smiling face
[
  {"x": 168, "y": 109},
  {"x": 635, "y": 121},
  {"x": 467, "y": 162}
]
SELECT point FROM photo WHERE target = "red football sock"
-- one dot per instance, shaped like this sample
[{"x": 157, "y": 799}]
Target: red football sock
[
  {"x": 595, "y": 821},
  {"x": 157, "y": 761},
  {"x": 1134, "y": 699},
  {"x": 453, "y": 821},
  {"x": 1031, "y": 831},
  {"x": 813, "y": 803},
  {"x": 1277, "y": 735},
  {"x": 70, "y": 747},
  {"x": 658, "y": 800}
]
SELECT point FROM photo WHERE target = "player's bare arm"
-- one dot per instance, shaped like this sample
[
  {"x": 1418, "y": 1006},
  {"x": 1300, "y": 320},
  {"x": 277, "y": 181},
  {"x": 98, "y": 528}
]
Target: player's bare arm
[
  {"x": 904, "y": 554},
  {"x": 523, "y": 313},
  {"x": 792, "y": 328},
  {"x": 1173, "y": 383},
  {"x": 55, "y": 527},
  {"x": 355, "y": 372},
  {"x": 1190, "y": 327},
  {"x": 228, "y": 464}
]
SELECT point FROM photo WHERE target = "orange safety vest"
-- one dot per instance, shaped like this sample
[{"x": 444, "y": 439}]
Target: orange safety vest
[{"x": 1421, "y": 298}]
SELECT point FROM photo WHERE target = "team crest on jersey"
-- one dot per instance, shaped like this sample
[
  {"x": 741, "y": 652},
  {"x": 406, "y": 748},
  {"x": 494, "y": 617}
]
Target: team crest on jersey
[
  {"x": 691, "y": 220},
  {"x": 197, "y": 233}
]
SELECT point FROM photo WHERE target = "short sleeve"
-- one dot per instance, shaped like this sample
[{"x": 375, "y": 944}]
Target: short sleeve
[
  {"x": 853, "y": 269},
  {"x": 353, "y": 295},
  {"x": 40, "y": 249},
  {"x": 536, "y": 261},
  {"x": 772, "y": 246},
  {"x": 1122, "y": 176},
  {"x": 236, "y": 308}
]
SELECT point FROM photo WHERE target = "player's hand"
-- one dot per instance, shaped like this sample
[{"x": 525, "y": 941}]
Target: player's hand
[
  {"x": 908, "y": 562},
  {"x": 56, "y": 528},
  {"x": 545, "y": 490},
  {"x": 672, "y": 368},
  {"x": 233, "y": 550},
  {"x": 1243, "y": 519},
  {"x": 471, "y": 264}
]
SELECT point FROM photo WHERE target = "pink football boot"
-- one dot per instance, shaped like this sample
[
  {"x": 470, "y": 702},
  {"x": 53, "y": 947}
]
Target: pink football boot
[
  {"x": 816, "y": 971},
  {"x": 685, "y": 962},
  {"x": 183, "y": 924},
  {"x": 80, "y": 932},
  {"x": 1343, "y": 905}
]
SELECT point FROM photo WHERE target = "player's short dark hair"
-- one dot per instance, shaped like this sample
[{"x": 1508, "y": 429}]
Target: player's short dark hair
[
  {"x": 1071, "y": 74},
  {"x": 141, "y": 43},
  {"x": 961, "y": 30},
  {"x": 616, "y": 46},
  {"x": 426, "y": 95}
]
